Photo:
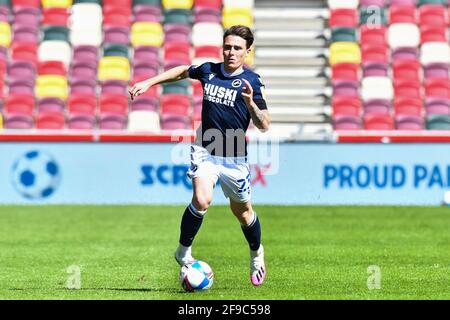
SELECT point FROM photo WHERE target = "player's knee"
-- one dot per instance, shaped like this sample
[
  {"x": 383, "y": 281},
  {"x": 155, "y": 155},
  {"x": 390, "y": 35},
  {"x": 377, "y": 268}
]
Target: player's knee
[{"x": 201, "y": 203}]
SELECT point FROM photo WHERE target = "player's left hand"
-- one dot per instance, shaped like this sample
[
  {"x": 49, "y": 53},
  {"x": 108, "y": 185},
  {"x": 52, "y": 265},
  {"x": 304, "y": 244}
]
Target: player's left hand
[{"x": 247, "y": 91}]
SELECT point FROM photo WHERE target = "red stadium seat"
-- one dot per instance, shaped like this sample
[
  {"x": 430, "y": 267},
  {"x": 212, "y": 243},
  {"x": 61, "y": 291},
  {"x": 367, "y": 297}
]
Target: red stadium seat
[
  {"x": 406, "y": 88},
  {"x": 50, "y": 120},
  {"x": 347, "y": 122},
  {"x": 433, "y": 15},
  {"x": 378, "y": 121},
  {"x": 402, "y": 14},
  {"x": 344, "y": 18},
  {"x": 178, "y": 51},
  {"x": 113, "y": 104},
  {"x": 374, "y": 53},
  {"x": 82, "y": 104},
  {"x": 24, "y": 51},
  {"x": 19, "y": 104},
  {"x": 118, "y": 3},
  {"x": 26, "y": 3},
  {"x": 409, "y": 69},
  {"x": 215, "y": 4},
  {"x": 345, "y": 71},
  {"x": 437, "y": 88},
  {"x": 408, "y": 106},
  {"x": 197, "y": 88},
  {"x": 55, "y": 16},
  {"x": 373, "y": 36},
  {"x": 431, "y": 33},
  {"x": 175, "y": 104},
  {"x": 153, "y": 92},
  {"x": 116, "y": 16},
  {"x": 52, "y": 67},
  {"x": 208, "y": 52},
  {"x": 344, "y": 105}
]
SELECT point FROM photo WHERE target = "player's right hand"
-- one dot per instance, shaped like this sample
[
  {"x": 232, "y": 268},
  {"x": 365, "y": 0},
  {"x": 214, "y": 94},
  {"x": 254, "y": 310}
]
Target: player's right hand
[{"x": 138, "y": 89}]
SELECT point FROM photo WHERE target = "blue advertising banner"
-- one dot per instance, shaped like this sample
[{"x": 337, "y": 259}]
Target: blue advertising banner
[{"x": 155, "y": 173}]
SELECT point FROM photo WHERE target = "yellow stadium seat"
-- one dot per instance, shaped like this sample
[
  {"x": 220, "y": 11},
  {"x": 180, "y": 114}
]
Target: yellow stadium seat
[
  {"x": 345, "y": 52},
  {"x": 51, "y": 86},
  {"x": 177, "y": 4},
  {"x": 5, "y": 34},
  {"x": 56, "y": 3},
  {"x": 114, "y": 68},
  {"x": 1, "y": 121},
  {"x": 234, "y": 16},
  {"x": 147, "y": 34}
]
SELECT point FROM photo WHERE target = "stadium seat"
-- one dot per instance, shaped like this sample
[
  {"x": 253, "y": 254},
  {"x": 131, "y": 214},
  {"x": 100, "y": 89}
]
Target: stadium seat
[
  {"x": 373, "y": 15},
  {"x": 55, "y": 33},
  {"x": 377, "y": 88},
  {"x": 345, "y": 88},
  {"x": 145, "y": 103},
  {"x": 114, "y": 86},
  {"x": 345, "y": 71},
  {"x": 437, "y": 106},
  {"x": 18, "y": 121},
  {"x": 116, "y": 35},
  {"x": 375, "y": 69},
  {"x": 1, "y": 121},
  {"x": 435, "y": 52},
  {"x": 116, "y": 50},
  {"x": 402, "y": 14},
  {"x": 80, "y": 122},
  {"x": 51, "y": 86},
  {"x": 433, "y": 15},
  {"x": 23, "y": 86},
  {"x": 250, "y": 4},
  {"x": 116, "y": 16},
  {"x": 85, "y": 53},
  {"x": 147, "y": 34},
  {"x": 345, "y": 52},
  {"x": 141, "y": 120},
  {"x": 345, "y": 105},
  {"x": 25, "y": 33},
  {"x": 114, "y": 68},
  {"x": 113, "y": 104},
  {"x": 177, "y": 4},
  {"x": 407, "y": 88},
  {"x": 343, "y": 18},
  {"x": 409, "y": 106},
  {"x": 178, "y": 16},
  {"x": 409, "y": 69},
  {"x": 5, "y": 34},
  {"x": 343, "y": 4},
  {"x": 377, "y": 106},
  {"x": 83, "y": 69},
  {"x": 55, "y": 51},
  {"x": 51, "y": 104},
  {"x": 26, "y": 3},
  {"x": 86, "y": 37},
  {"x": 237, "y": 16},
  {"x": 19, "y": 104},
  {"x": 83, "y": 86},
  {"x": 54, "y": 16},
  {"x": 176, "y": 54},
  {"x": 155, "y": 3},
  {"x": 409, "y": 122},
  {"x": 149, "y": 53},
  {"x": 56, "y": 3},
  {"x": 403, "y": 35},
  {"x": 207, "y": 14},
  {"x": 433, "y": 34},
  {"x": 378, "y": 121},
  {"x": 374, "y": 53},
  {"x": 145, "y": 68},
  {"x": 175, "y": 104},
  {"x": 347, "y": 122},
  {"x": 179, "y": 87},
  {"x": 214, "y": 4},
  {"x": 174, "y": 122},
  {"x": 147, "y": 13},
  {"x": 207, "y": 34},
  {"x": 436, "y": 71},
  {"x": 177, "y": 33},
  {"x": 82, "y": 104},
  {"x": 112, "y": 122},
  {"x": 343, "y": 34},
  {"x": 438, "y": 122},
  {"x": 405, "y": 54},
  {"x": 51, "y": 67},
  {"x": 21, "y": 69},
  {"x": 373, "y": 36},
  {"x": 50, "y": 120},
  {"x": 437, "y": 88}
]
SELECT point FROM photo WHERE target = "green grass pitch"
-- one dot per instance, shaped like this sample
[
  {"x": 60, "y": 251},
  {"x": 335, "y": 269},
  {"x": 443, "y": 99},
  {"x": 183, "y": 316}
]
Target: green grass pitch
[{"x": 126, "y": 252}]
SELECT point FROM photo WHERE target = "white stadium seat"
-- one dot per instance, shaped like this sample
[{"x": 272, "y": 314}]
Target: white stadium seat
[
  {"x": 239, "y": 3},
  {"x": 403, "y": 35},
  {"x": 377, "y": 88},
  {"x": 54, "y": 50},
  {"x": 86, "y": 37},
  {"x": 435, "y": 52},
  {"x": 207, "y": 34},
  {"x": 141, "y": 120},
  {"x": 87, "y": 13},
  {"x": 343, "y": 4}
]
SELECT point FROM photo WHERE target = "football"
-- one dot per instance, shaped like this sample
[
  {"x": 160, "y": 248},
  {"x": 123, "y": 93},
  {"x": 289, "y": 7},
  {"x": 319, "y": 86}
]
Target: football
[
  {"x": 35, "y": 175},
  {"x": 196, "y": 276}
]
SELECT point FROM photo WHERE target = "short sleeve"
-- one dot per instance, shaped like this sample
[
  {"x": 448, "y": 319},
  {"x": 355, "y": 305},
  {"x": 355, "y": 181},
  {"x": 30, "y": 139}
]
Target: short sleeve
[
  {"x": 259, "y": 94},
  {"x": 196, "y": 72}
]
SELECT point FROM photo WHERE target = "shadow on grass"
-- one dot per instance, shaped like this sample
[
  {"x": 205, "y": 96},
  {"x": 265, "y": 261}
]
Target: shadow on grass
[{"x": 166, "y": 290}]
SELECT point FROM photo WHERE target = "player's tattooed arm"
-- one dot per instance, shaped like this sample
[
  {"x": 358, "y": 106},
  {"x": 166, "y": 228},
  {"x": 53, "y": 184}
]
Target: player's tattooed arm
[
  {"x": 174, "y": 74},
  {"x": 260, "y": 118}
]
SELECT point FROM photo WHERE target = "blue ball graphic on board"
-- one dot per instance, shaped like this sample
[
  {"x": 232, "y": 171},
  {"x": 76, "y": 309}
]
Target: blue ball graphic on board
[{"x": 36, "y": 175}]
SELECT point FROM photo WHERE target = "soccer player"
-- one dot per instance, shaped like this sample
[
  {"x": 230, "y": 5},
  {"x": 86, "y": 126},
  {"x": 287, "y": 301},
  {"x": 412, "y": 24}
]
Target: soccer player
[{"x": 232, "y": 96}]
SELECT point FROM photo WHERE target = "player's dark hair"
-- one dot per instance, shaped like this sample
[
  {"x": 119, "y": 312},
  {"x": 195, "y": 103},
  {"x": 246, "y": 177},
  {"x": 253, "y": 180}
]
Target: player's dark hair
[{"x": 240, "y": 31}]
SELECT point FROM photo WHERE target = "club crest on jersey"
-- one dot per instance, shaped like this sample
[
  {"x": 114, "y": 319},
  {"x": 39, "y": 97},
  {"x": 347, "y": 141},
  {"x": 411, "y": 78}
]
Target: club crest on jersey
[
  {"x": 236, "y": 83},
  {"x": 212, "y": 75},
  {"x": 221, "y": 95}
]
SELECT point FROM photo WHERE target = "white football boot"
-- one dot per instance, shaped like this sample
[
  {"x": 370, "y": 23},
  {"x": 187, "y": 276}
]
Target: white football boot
[{"x": 257, "y": 267}]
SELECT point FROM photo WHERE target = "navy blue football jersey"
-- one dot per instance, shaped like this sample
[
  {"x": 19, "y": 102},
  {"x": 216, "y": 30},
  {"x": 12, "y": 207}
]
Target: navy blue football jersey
[{"x": 225, "y": 116}]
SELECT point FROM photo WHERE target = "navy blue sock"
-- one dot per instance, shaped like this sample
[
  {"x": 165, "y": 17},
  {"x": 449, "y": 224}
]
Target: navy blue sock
[
  {"x": 252, "y": 233},
  {"x": 190, "y": 224}
]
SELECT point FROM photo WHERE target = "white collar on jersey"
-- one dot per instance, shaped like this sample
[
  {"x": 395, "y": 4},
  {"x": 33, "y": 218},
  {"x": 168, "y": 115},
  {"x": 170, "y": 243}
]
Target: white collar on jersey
[{"x": 233, "y": 74}]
